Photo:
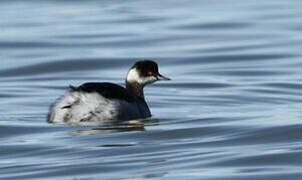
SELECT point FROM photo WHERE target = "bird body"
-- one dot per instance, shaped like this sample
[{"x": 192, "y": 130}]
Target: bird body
[{"x": 107, "y": 102}]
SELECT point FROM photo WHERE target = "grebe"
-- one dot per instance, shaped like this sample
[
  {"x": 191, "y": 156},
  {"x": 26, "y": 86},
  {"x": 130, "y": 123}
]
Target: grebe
[{"x": 107, "y": 102}]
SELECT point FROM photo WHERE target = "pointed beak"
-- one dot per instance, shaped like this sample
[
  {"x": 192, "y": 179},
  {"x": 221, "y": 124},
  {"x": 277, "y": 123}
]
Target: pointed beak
[{"x": 161, "y": 77}]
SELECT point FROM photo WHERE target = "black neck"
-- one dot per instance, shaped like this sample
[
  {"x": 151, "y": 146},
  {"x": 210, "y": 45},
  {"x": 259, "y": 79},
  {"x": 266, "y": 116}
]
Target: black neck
[{"x": 135, "y": 89}]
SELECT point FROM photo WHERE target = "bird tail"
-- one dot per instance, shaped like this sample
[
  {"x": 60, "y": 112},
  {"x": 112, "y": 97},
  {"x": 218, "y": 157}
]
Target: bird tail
[{"x": 72, "y": 88}]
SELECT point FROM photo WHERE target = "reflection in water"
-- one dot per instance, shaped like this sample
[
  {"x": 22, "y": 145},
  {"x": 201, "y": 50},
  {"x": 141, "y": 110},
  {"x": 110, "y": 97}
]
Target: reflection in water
[
  {"x": 125, "y": 126},
  {"x": 106, "y": 130},
  {"x": 151, "y": 175}
]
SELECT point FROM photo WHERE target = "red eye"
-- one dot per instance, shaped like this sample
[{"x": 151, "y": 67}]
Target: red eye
[{"x": 150, "y": 73}]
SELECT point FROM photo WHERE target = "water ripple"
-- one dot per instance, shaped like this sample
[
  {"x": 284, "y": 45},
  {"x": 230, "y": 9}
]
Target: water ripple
[{"x": 231, "y": 111}]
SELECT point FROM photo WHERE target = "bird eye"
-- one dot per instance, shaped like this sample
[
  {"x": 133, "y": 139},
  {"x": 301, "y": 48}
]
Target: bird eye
[{"x": 150, "y": 73}]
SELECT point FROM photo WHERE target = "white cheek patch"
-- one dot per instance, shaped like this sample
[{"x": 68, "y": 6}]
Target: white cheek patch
[
  {"x": 149, "y": 80},
  {"x": 133, "y": 76}
]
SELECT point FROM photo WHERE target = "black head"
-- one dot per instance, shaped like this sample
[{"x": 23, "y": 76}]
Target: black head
[
  {"x": 145, "y": 68},
  {"x": 145, "y": 72}
]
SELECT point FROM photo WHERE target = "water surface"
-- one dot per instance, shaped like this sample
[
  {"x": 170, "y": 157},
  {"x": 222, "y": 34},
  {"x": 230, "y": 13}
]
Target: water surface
[{"x": 232, "y": 110}]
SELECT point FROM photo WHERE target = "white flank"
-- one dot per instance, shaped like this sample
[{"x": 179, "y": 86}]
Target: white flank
[{"x": 88, "y": 108}]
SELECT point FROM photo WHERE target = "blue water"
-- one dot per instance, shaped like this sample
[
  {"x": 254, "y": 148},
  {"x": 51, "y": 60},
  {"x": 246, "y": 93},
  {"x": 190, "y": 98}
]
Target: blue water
[{"x": 232, "y": 110}]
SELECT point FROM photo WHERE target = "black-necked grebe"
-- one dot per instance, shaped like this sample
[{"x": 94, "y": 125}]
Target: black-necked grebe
[{"x": 105, "y": 102}]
